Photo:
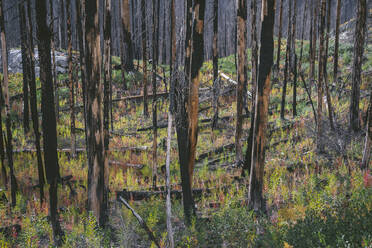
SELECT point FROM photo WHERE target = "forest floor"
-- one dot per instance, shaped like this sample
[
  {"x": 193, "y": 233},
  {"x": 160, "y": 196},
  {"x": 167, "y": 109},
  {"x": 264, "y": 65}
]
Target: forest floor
[{"x": 313, "y": 200}]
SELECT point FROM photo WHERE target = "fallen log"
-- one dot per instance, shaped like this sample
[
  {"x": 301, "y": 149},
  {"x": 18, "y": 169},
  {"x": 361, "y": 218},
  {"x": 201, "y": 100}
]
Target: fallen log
[
  {"x": 140, "y": 220},
  {"x": 144, "y": 195},
  {"x": 126, "y": 165},
  {"x": 82, "y": 150}
]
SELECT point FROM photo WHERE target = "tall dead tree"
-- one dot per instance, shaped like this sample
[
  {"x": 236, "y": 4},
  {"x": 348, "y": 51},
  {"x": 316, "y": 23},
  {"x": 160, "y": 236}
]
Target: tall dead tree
[
  {"x": 54, "y": 69},
  {"x": 368, "y": 139},
  {"x": 186, "y": 104},
  {"x": 155, "y": 39},
  {"x": 215, "y": 63},
  {"x": 313, "y": 45},
  {"x": 242, "y": 75},
  {"x": 22, "y": 29},
  {"x": 320, "y": 145},
  {"x": 4, "y": 175},
  {"x": 279, "y": 34},
  {"x": 48, "y": 117},
  {"x": 254, "y": 62},
  {"x": 328, "y": 95},
  {"x": 122, "y": 48},
  {"x": 107, "y": 77},
  {"x": 337, "y": 41},
  {"x": 287, "y": 61},
  {"x": 80, "y": 29},
  {"x": 255, "y": 192},
  {"x": 359, "y": 37},
  {"x": 5, "y": 90},
  {"x": 144, "y": 58},
  {"x": 97, "y": 200},
  {"x": 170, "y": 121},
  {"x": 33, "y": 97},
  {"x": 294, "y": 59},
  {"x": 302, "y": 35},
  {"x": 127, "y": 36},
  {"x": 62, "y": 26},
  {"x": 71, "y": 83}
]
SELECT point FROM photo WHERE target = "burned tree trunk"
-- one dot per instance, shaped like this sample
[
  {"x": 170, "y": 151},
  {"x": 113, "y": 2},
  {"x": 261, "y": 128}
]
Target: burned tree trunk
[
  {"x": 337, "y": 42},
  {"x": 144, "y": 58},
  {"x": 25, "y": 68},
  {"x": 255, "y": 193},
  {"x": 368, "y": 139},
  {"x": 313, "y": 42},
  {"x": 62, "y": 27},
  {"x": 106, "y": 94},
  {"x": 254, "y": 61},
  {"x": 320, "y": 145},
  {"x": 71, "y": 80},
  {"x": 287, "y": 61},
  {"x": 328, "y": 95},
  {"x": 294, "y": 60},
  {"x": 48, "y": 117},
  {"x": 186, "y": 103},
  {"x": 33, "y": 101},
  {"x": 242, "y": 75},
  {"x": 54, "y": 71},
  {"x": 155, "y": 32},
  {"x": 197, "y": 58},
  {"x": 127, "y": 36},
  {"x": 302, "y": 36},
  {"x": 9, "y": 145},
  {"x": 97, "y": 200},
  {"x": 360, "y": 31},
  {"x": 81, "y": 40},
  {"x": 279, "y": 34},
  {"x": 215, "y": 64}
]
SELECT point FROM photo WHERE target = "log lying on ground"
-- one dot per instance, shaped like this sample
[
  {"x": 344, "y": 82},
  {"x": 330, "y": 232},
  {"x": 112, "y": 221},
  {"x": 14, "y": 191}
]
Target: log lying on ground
[
  {"x": 140, "y": 220},
  {"x": 145, "y": 195},
  {"x": 232, "y": 81},
  {"x": 82, "y": 150},
  {"x": 126, "y": 165}
]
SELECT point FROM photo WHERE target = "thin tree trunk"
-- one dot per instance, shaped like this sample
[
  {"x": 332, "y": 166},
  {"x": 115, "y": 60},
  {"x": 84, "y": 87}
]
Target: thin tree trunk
[
  {"x": 287, "y": 61},
  {"x": 122, "y": 51},
  {"x": 337, "y": 42},
  {"x": 320, "y": 144},
  {"x": 302, "y": 35},
  {"x": 128, "y": 46},
  {"x": 33, "y": 101},
  {"x": 279, "y": 34},
  {"x": 215, "y": 64},
  {"x": 328, "y": 95},
  {"x": 368, "y": 139},
  {"x": 314, "y": 18},
  {"x": 144, "y": 58},
  {"x": 242, "y": 75},
  {"x": 2, "y": 154},
  {"x": 359, "y": 37},
  {"x": 48, "y": 117},
  {"x": 62, "y": 31},
  {"x": 254, "y": 62},
  {"x": 106, "y": 95},
  {"x": 155, "y": 32},
  {"x": 25, "y": 68},
  {"x": 80, "y": 28},
  {"x": 54, "y": 70},
  {"x": 71, "y": 80},
  {"x": 9, "y": 145},
  {"x": 294, "y": 64},
  {"x": 255, "y": 192}
]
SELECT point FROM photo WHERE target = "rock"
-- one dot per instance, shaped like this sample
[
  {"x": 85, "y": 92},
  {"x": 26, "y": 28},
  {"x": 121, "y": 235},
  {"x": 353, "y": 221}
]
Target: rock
[{"x": 15, "y": 62}]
